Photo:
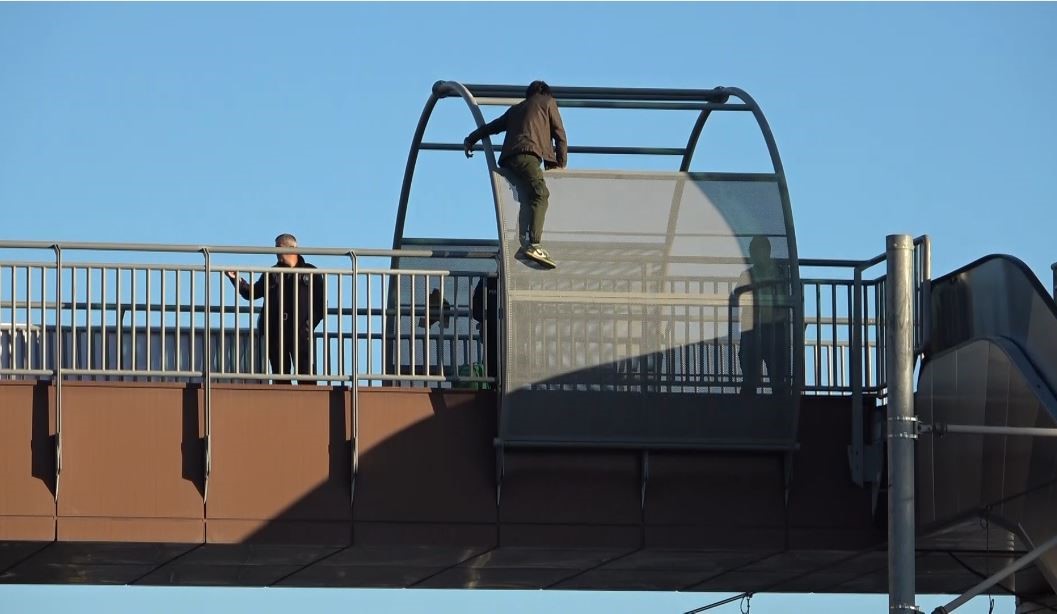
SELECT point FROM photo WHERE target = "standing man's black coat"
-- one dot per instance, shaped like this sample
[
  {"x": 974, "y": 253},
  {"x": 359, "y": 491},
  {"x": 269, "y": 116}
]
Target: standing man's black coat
[{"x": 288, "y": 295}]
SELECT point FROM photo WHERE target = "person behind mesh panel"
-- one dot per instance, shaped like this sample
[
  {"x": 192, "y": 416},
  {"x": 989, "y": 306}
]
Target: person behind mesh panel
[
  {"x": 286, "y": 296},
  {"x": 765, "y": 320}
]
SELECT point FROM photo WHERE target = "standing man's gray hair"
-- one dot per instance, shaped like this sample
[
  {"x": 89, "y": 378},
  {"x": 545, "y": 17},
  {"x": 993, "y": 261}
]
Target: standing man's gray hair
[{"x": 286, "y": 240}]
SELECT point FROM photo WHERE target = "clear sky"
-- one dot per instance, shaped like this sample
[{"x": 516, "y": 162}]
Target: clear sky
[{"x": 229, "y": 123}]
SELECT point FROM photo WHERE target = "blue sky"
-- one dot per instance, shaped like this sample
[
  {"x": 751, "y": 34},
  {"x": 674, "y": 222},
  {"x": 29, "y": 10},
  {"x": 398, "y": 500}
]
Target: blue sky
[{"x": 229, "y": 123}]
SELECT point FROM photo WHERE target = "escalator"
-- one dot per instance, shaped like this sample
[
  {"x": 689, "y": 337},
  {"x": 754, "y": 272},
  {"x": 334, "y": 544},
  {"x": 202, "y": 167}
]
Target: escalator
[{"x": 990, "y": 360}]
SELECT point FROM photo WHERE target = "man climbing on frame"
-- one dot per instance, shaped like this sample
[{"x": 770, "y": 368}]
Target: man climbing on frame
[{"x": 531, "y": 126}]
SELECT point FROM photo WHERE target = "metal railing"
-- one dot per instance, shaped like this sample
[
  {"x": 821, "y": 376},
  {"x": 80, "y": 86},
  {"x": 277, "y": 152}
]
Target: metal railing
[
  {"x": 376, "y": 324},
  {"x": 373, "y": 325},
  {"x": 844, "y": 314}
]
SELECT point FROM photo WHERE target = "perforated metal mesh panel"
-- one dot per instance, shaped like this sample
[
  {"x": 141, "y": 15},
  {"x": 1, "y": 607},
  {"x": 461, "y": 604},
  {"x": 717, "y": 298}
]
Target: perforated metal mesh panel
[{"x": 642, "y": 309}]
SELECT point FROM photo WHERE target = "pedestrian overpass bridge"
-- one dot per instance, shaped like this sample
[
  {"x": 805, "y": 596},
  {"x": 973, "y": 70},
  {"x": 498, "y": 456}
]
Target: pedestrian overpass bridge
[{"x": 466, "y": 421}]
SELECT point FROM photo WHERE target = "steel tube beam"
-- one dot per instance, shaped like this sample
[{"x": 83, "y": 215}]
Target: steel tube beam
[
  {"x": 941, "y": 429},
  {"x": 584, "y": 149},
  {"x": 623, "y": 104},
  {"x": 998, "y": 576},
  {"x": 717, "y": 94},
  {"x": 899, "y": 332}
]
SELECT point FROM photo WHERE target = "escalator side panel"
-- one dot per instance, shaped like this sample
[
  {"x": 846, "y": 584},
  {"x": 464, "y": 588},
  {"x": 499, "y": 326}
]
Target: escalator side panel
[{"x": 987, "y": 382}]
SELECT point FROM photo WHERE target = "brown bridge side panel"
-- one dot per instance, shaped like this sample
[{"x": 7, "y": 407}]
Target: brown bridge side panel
[
  {"x": 425, "y": 489},
  {"x": 27, "y": 465},
  {"x": 131, "y": 463},
  {"x": 280, "y": 468},
  {"x": 280, "y": 508}
]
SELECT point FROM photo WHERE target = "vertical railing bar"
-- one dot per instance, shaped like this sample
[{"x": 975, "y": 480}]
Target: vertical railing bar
[
  {"x": 266, "y": 327},
  {"x": 326, "y": 330},
  {"x": 14, "y": 319},
  {"x": 119, "y": 316},
  {"x": 370, "y": 340},
  {"x": 411, "y": 324},
  {"x": 442, "y": 355},
  {"x": 191, "y": 320},
  {"x": 256, "y": 364},
  {"x": 162, "y": 328},
  {"x": 341, "y": 316},
  {"x": 355, "y": 329},
  {"x": 849, "y": 301},
  {"x": 864, "y": 326},
  {"x": 147, "y": 272},
  {"x": 222, "y": 338},
  {"x": 88, "y": 315},
  {"x": 42, "y": 355},
  {"x": 73, "y": 317},
  {"x": 238, "y": 326},
  {"x": 282, "y": 324},
  {"x": 384, "y": 321},
  {"x": 818, "y": 331},
  {"x": 355, "y": 367},
  {"x": 178, "y": 341},
  {"x": 717, "y": 351},
  {"x": 833, "y": 331},
  {"x": 26, "y": 358},
  {"x": 295, "y": 352},
  {"x": 135, "y": 336},
  {"x": 426, "y": 339},
  {"x": 398, "y": 363}
]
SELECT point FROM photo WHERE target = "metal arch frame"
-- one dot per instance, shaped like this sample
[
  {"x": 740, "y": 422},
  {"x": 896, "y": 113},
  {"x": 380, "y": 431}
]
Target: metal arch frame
[
  {"x": 477, "y": 95},
  {"x": 704, "y": 100},
  {"x": 441, "y": 89}
]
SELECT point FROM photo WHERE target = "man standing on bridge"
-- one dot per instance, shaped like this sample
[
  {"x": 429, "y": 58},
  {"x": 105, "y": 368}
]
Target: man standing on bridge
[
  {"x": 294, "y": 305},
  {"x": 531, "y": 125}
]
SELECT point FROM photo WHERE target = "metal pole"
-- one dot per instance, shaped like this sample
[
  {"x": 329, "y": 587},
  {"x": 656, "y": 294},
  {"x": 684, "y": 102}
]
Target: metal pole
[
  {"x": 1053, "y": 268},
  {"x": 902, "y": 430}
]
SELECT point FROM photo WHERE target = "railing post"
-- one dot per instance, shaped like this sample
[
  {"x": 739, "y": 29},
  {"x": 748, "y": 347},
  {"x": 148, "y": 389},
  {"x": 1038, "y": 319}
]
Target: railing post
[
  {"x": 207, "y": 384},
  {"x": 58, "y": 364},
  {"x": 902, "y": 430},
  {"x": 857, "y": 418},
  {"x": 355, "y": 375}
]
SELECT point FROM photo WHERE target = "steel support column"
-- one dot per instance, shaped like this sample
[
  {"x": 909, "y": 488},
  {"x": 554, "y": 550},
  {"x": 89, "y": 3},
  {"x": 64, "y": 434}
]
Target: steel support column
[{"x": 902, "y": 430}]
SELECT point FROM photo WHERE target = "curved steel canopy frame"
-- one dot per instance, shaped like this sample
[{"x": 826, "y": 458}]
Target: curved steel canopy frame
[{"x": 706, "y": 101}]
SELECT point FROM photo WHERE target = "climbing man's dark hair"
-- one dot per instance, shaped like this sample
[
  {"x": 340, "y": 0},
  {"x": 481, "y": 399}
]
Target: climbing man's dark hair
[{"x": 537, "y": 87}]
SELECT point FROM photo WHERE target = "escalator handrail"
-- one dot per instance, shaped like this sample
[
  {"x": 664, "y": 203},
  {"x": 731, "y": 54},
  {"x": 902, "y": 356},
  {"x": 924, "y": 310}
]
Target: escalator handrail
[{"x": 1013, "y": 260}]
